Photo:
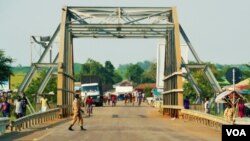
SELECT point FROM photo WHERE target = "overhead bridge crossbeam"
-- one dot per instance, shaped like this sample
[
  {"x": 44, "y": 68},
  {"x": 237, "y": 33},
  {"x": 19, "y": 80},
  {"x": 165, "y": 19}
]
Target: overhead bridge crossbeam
[
  {"x": 119, "y": 22},
  {"x": 126, "y": 31}
]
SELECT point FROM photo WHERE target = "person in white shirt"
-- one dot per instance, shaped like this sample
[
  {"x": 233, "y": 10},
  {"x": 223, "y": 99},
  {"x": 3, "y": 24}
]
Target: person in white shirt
[
  {"x": 18, "y": 107},
  {"x": 207, "y": 105}
]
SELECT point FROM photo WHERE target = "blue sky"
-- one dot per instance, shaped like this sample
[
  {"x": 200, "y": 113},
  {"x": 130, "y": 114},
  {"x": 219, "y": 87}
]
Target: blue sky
[{"x": 218, "y": 29}]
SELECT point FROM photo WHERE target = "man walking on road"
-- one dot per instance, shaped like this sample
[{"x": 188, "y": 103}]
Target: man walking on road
[{"x": 76, "y": 113}]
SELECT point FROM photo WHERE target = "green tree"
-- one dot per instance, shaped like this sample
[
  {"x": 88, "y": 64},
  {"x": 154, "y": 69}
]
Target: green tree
[
  {"x": 109, "y": 70},
  {"x": 106, "y": 74},
  {"x": 134, "y": 73},
  {"x": 202, "y": 82},
  {"x": 149, "y": 75},
  {"x": 92, "y": 67},
  {"x": 5, "y": 68},
  {"x": 145, "y": 64},
  {"x": 109, "y": 67},
  {"x": 35, "y": 84},
  {"x": 122, "y": 69},
  {"x": 117, "y": 77},
  {"x": 147, "y": 92}
]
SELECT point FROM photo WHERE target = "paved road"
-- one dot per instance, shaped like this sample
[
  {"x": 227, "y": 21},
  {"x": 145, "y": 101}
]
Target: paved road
[{"x": 121, "y": 123}]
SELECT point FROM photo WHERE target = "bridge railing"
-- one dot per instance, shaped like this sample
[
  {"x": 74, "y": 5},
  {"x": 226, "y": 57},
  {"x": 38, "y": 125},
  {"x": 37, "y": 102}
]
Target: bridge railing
[
  {"x": 3, "y": 123},
  {"x": 197, "y": 107},
  {"x": 204, "y": 118},
  {"x": 198, "y": 116},
  {"x": 34, "y": 119}
]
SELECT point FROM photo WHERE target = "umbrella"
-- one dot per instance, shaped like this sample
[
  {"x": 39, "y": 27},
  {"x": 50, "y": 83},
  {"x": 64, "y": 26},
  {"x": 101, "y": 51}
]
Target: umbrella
[{"x": 221, "y": 97}]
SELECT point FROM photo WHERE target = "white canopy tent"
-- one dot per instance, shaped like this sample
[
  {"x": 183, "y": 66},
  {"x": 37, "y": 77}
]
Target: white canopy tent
[{"x": 221, "y": 97}]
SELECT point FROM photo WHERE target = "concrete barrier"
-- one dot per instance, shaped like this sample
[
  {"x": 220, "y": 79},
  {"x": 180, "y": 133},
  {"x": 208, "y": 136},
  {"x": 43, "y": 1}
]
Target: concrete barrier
[
  {"x": 3, "y": 123},
  {"x": 34, "y": 119},
  {"x": 204, "y": 118}
]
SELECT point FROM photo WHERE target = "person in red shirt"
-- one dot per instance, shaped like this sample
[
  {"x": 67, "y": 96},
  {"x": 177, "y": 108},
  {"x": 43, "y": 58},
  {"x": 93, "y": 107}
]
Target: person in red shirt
[
  {"x": 241, "y": 109},
  {"x": 113, "y": 100},
  {"x": 89, "y": 103}
]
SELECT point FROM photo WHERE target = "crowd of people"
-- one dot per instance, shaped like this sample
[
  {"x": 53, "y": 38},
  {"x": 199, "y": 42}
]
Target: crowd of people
[
  {"x": 132, "y": 98},
  {"x": 19, "y": 106},
  {"x": 241, "y": 108},
  {"x": 86, "y": 103}
]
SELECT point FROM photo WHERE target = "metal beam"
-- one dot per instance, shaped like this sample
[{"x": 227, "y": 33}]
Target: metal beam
[
  {"x": 195, "y": 66},
  {"x": 208, "y": 73},
  {"x": 48, "y": 76},
  {"x": 173, "y": 92},
  {"x": 61, "y": 62},
  {"x": 27, "y": 79},
  {"x": 149, "y": 16},
  {"x": 191, "y": 79},
  {"x": 123, "y": 26},
  {"x": 45, "y": 65},
  {"x": 118, "y": 36}
]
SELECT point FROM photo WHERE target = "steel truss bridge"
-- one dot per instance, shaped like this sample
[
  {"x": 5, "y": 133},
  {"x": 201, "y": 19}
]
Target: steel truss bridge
[{"x": 119, "y": 22}]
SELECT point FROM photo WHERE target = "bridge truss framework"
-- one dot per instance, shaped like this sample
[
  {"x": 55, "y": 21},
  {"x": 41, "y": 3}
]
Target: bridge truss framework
[{"x": 115, "y": 22}]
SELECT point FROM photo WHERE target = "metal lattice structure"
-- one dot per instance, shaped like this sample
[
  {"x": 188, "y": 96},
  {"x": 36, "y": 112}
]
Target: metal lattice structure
[
  {"x": 115, "y": 22},
  {"x": 119, "y": 22}
]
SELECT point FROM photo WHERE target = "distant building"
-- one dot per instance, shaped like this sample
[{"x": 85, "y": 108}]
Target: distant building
[
  {"x": 142, "y": 87},
  {"x": 123, "y": 87}
]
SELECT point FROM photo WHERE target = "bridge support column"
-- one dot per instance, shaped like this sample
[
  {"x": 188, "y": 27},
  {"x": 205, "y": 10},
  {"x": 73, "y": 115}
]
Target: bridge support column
[
  {"x": 172, "y": 95},
  {"x": 65, "y": 85}
]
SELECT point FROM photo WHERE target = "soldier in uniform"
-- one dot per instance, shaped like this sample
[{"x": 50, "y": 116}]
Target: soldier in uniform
[{"x": 76, "y": 107}]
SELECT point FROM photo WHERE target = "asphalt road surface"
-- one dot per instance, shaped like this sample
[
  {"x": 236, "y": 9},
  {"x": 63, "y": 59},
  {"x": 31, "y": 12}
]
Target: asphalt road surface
[{"x": 120, "y": 123}]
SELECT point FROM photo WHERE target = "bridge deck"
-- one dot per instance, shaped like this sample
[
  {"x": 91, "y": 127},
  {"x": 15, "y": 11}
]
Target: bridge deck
[{"x": 121, "y": 123}]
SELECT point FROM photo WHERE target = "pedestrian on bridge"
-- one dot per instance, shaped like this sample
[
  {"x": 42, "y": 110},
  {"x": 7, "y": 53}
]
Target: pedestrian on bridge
[
  {"x": 24, "y": 103},
  {"x": 207, "y": 105},
  {"x": 89, "y": 104},
  {"x": 186, "y": 103},
  {"x": 44, "y": 103},
  {"x": 228, "y": 113},
  {"x": 76, "y": 107},
  {"x": 5, "y": 107},
  {"x": 139, "y": 98},
  {"x": 18, "y": 107}
]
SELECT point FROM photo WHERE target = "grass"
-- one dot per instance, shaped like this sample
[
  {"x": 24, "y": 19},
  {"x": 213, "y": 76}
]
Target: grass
[{"x": 16, "y": 80}]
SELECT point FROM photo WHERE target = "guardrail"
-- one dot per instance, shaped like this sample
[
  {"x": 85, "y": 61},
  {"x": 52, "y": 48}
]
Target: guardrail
[
  {"x": 198, "y": 116},
  {"x": 33, "y": 119},
  {"x": 3, "y": 123},
  {"x": 203, "y": 118}
]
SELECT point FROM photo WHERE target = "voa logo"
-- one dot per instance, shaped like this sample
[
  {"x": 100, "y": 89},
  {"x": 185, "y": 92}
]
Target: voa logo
[{"x": 236, "y": 132}]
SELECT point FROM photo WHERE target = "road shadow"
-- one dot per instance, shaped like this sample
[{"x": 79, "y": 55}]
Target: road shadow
[{"x": 10, "y": 136}]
